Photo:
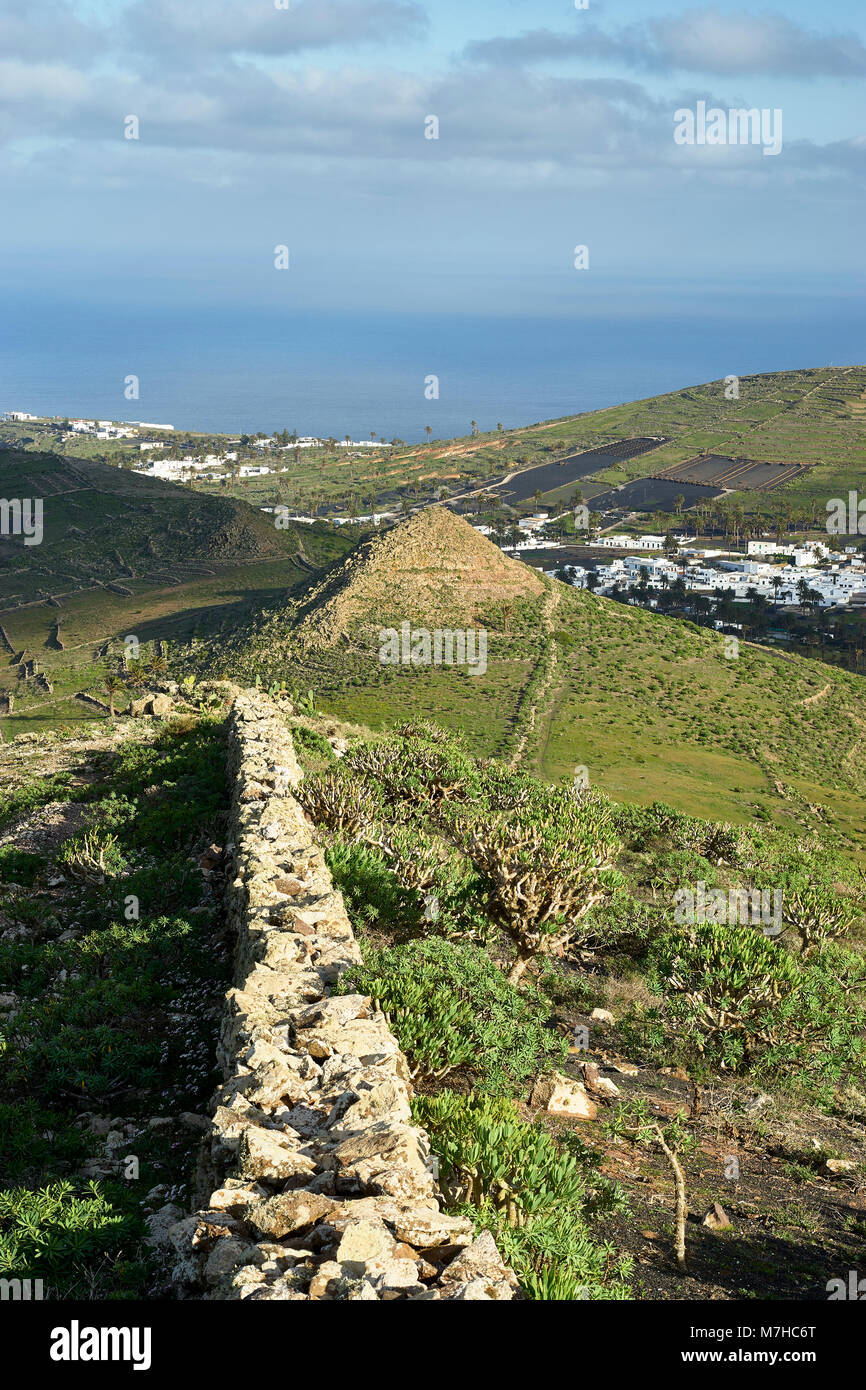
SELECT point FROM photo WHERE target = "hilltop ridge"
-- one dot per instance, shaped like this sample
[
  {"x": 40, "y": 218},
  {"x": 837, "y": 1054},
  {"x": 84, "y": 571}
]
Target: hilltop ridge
[{"x": 434, "y": 568}]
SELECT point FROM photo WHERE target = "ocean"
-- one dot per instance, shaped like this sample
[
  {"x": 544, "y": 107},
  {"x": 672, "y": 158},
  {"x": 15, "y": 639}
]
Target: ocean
[{"x": 229, "y": 369}]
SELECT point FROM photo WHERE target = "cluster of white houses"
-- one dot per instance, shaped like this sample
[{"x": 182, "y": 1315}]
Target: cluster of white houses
[
  {"x": 837, "y": 579},
  {"x": 100, "y": 429},
  {"x": 177, "y": 470},
  {"x": 836, "y": 582}
]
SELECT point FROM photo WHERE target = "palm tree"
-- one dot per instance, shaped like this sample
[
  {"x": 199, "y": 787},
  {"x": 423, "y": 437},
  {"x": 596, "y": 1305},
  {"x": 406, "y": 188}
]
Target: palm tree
[
  {"x": 136, "y": 676},
  {"x": 156, "y": 665},
  {"x": 112, "y": 685},
  {"x": 473, "y": 425},
  {"x": 428, "y": 431}
]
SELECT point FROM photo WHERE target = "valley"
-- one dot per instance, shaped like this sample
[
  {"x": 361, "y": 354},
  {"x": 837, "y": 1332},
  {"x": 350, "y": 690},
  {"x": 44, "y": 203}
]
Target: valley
[{"x": 509, "y": 837}]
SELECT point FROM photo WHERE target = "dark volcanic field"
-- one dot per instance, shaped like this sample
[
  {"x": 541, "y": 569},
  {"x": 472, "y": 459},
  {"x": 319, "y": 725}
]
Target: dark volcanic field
[
  {"x": 571, "y": 469},
  {"x": 651, "y": 494}
]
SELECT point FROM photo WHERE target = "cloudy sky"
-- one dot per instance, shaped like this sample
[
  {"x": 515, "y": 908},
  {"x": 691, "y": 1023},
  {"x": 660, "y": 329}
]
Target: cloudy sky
[{"x": 305, "y": 126}]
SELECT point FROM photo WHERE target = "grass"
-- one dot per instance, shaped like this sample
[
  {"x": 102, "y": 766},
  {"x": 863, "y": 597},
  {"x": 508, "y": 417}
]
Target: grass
[
  {"x": 441, "y": 982},
  {"x": 814, "y": 416},
  {"x": 649, "y": 705},
  {"x": 118, "y": 974}
]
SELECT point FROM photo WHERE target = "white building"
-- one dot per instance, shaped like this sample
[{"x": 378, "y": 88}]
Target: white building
[
  {"x": 18, "y": 415},
  {"x": 621, "y": 541},
  {"x": 114, "y": 432}
]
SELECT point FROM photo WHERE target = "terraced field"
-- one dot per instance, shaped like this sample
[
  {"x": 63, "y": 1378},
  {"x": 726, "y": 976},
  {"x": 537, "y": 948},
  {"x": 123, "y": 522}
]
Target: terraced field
[{"x": 733, "y": 473}]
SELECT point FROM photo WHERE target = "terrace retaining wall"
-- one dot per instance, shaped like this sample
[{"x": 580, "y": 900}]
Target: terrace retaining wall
[{"x": 315, "y": 1183}]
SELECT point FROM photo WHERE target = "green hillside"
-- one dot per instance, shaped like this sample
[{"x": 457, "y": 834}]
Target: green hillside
[
  {"x": 815, "y": 418},
  {"x": 651, "y": 707},
  {"x": 123, "y": 554}
]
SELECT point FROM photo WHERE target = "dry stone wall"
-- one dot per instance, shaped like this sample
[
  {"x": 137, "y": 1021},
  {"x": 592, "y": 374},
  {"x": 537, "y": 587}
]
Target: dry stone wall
[{"x": 315, "y": 1184}]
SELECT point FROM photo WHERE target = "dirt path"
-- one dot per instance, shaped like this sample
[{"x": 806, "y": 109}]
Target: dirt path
[
  {"x": 819, "y": 695},
  {"x": 551, "y": 604}
]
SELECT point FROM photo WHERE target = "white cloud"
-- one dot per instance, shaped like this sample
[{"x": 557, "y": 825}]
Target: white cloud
[
  {"x": 706, "y": 40},
  {"x": 180, "y": 30}
]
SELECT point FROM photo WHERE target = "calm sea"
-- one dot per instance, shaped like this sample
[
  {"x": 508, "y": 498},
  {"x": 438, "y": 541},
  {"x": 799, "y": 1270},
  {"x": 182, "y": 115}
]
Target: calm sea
[{"x": 230, "y": 369}]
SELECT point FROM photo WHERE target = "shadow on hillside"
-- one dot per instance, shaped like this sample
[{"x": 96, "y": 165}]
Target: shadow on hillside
[
  {"x": 207, "y": 619},
  {"x": 750, "y": 1265}
]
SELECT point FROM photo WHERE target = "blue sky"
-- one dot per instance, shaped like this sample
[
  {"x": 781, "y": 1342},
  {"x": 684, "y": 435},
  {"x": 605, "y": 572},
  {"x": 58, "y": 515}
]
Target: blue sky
[{"x": 261, "y": 127}]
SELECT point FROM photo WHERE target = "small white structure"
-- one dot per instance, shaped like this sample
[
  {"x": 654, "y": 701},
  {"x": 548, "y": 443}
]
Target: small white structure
[
  {"x": 114, "y": 432},
  {"x": 622, "y": 541},
  {"x": 362, "y": 444}
]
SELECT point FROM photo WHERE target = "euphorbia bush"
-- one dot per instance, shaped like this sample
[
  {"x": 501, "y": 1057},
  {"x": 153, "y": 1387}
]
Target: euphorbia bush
[
  {"x": 451, "y": 1007},
  {"x": 744, "y": 1002}
]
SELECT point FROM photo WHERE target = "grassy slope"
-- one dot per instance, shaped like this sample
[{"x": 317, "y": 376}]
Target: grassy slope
[
  {"x": 808, "y": 1220},
  {"x": 814, "y": 416},
  {"x": 115, "y": 1017},
  {"x": 651, "y": 706},
  {"x": 189, "y": 564},
  {"x": 654, "y": 709}
]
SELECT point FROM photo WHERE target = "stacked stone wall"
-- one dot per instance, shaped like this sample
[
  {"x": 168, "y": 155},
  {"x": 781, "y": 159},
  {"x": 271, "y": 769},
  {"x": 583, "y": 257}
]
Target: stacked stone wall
[{"x": 314, "y": 1183}]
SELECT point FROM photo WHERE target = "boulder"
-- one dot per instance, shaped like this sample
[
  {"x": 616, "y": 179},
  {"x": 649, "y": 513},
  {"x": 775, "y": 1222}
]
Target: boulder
[
  {"x": 363, "y": 1242},
  {"x": 479, "y": 1272},
  {"x": 290, "y": 1211},
  {"x": 598, "y": 1085},
  {"x": 161, "y": 1224},
  {"x": 228, "y": 1255},
  {"x": 717, "y": 1218},
  {"x": 265, "y": 1153},
  {"x": 560, "y": 1095},
  {"x": 426, "y": 1230}
]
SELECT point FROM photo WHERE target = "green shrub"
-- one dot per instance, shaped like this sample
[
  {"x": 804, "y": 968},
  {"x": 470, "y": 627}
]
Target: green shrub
[
  {"x": 311, "y": 743},
  {"x": 515, "y": 1180},
  {"x": 92, "y": 856},
  {"x": 373, "y": 896},
  {"x": 818, "y": 915},
  {"x": 542, "y": 877},
  {"x": 17, "y": 866},
  {"x": 742, "y": 1002},
  {"x": 51, "y": 1233},
  {"x": 451, "y": 1007}
]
